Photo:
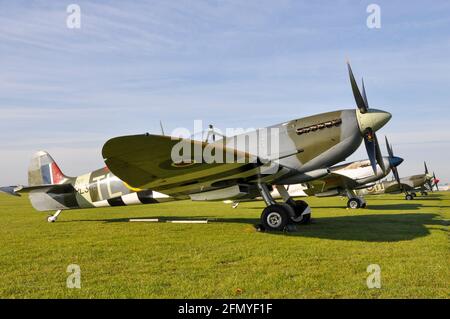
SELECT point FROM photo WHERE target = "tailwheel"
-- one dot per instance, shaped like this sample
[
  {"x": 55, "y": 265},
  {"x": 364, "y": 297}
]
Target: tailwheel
[
  {"x": 275, "y": 217},
  {"x": 409, "y": 197},
  {"x": 414, "y": 194},
  {"x": 424, "y": 193},
  {"x": 54, "y": 217},
  {"x": 354, "y": 203},
  {"x": 51, "y": 219},
  {"x": 302, "y": 212}
]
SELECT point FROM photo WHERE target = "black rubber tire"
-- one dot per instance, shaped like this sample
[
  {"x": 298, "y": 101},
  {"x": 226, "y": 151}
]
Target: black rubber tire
[
  {"x": 424, "y": 193},
  {"x": 414, "y": 194},
  {"x": 275, "y": 217},
  {"x": 305, "y": 220},
  {"x": 363, "y": 205},
  {"x": 300, "y": 206},
  {"x": 354, "y": 203},
  {"x": 409, "y": 197}
]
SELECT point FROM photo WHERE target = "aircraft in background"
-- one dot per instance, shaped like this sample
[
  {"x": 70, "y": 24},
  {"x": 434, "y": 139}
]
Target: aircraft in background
[
  {"x": 140, "y": 168},
  {"x": 345, "y": 179},
  {"x": 409, "y": 185}
]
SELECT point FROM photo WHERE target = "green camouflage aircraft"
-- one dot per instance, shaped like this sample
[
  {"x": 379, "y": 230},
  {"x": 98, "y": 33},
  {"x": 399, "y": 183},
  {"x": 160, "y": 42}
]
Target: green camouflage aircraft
[
  {"x": 408, "y": 185},
  {"x": 141, "y": 169}
]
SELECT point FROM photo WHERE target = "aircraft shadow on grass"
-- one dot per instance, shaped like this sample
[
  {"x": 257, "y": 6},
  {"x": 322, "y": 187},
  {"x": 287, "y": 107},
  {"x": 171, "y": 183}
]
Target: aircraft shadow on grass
[
  {"x": 418, "y": 198},
  {"x": 369, "y": 228},
  {"x": 401, "y": 207},
  {"x": 405, "y": 206}
]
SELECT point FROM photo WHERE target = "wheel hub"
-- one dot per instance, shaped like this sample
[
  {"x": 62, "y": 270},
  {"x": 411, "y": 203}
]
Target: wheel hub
[
  {"x": 353, "y": 204},
  {"x": 274, "y": 219}
]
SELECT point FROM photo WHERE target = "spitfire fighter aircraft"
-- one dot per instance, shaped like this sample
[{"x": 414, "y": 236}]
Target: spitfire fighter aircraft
[
  {"x": 142, "y": 169},
  {"x": 409, "y": 185},
  {"x": 344, "y": 179}
]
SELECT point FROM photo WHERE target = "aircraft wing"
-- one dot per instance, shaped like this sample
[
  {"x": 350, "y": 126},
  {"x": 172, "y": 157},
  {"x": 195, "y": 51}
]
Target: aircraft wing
[
  {"x": 145, "y": 162},
  {"x": 392, "y": 187},
  {"x": 395, "y": 188},
  {"x": 330, "y": 182}
]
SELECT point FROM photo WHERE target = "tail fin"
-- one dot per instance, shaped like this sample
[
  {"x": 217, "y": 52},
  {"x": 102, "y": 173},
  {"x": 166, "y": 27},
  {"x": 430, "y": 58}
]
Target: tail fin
[{"x": 43, "y": 170}]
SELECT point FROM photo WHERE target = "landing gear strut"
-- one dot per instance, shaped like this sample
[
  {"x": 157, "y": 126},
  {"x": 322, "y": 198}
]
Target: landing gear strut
[
  {"x": 54, "y": 217},
  {"x": 277, "y": 216}
]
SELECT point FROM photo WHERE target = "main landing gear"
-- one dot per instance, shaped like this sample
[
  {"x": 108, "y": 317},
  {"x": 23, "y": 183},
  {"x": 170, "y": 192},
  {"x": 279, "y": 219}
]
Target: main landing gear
[
  {"x": 277, "y": 216},
  {"x": 54, "y": 217},
  {"x": 412, "y": 195},
  {"x": 354, "y": 201}
]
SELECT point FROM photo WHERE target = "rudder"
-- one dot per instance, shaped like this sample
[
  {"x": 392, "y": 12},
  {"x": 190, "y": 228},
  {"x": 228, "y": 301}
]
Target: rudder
[{"x": 43, "y": 170}]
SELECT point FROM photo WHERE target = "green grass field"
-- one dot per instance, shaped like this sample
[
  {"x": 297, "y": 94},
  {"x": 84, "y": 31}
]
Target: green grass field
[{"x": 227, "y": 258}]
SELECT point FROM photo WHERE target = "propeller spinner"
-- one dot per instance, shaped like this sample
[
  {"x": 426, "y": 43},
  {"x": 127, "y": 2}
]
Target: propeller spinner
[{"x": 436, "y": 181}]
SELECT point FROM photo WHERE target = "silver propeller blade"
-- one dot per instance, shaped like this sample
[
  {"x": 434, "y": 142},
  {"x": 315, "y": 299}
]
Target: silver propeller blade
[{"x": 360, "y": 102}]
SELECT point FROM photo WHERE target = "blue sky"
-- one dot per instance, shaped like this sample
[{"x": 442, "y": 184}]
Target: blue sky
[{"x": 231, "y": 63}]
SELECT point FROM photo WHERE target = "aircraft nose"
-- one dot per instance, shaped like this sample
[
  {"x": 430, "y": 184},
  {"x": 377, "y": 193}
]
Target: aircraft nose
[
  {"x": 373, "y": 118},
  {"x": 396, "y": 161}
]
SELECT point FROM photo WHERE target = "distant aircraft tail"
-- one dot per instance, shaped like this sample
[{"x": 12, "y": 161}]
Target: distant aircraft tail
[{"x": 43, "y": 170}]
